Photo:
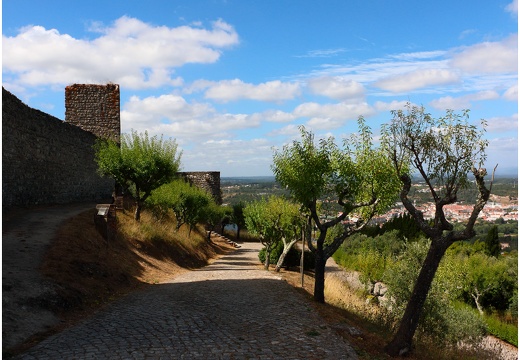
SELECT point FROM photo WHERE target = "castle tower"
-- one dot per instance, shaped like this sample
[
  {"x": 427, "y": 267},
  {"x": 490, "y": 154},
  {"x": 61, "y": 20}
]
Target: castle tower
[{"x": 94, "y": 108}]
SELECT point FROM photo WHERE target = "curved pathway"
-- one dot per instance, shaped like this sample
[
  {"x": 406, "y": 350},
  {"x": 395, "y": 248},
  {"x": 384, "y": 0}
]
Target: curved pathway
[
  {"x": 26, "y": 235},
  {"x": 231, "y": 309}
]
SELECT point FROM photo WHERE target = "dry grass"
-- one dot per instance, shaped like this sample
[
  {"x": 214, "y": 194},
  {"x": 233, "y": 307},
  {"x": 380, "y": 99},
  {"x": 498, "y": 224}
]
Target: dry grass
[{"x": 92, "y": 272}]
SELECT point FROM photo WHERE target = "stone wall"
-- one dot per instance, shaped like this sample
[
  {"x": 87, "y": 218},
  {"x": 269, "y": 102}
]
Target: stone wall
[
  {"x": 209, "y": 181},
  {"x": 46, "y": 160},
  {"x": 94, "y": 108}
]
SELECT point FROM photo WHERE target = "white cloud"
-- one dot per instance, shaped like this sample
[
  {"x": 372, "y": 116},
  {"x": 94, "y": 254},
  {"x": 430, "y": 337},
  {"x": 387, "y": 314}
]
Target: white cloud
[
  {"x": 394, "y": 105},
  {"x": 463, "y": 102},
  {"x": 504, "y": 152},
  {"x": 417, "y": 79},
  {"x": 173, "y": 116},
  {"x": 231, "y": 90},
  {"x": 291, "y": 131},
  {"x": 511, "y": 93},
  {"x": 325, "y": 123},
  {"x": 129, "y": 52},
  {"x": 513, "y": 7},
  {"x": 276, "y": 116},
  {"x": 337, "y": 88},
  {"x": 502, "y": 124},
  {"x": 489, "y": 57},
  {"x": 231, "y": 157},
  {"x": 337, "y": 111}
]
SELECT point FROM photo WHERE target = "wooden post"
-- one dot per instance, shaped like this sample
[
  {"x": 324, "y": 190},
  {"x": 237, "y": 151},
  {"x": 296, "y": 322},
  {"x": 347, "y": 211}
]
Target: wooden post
[{"x": 301, "y": 259}]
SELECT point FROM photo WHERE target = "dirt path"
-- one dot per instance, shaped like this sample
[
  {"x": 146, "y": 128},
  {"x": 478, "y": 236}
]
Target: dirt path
[{"x": 26, "y": 235}]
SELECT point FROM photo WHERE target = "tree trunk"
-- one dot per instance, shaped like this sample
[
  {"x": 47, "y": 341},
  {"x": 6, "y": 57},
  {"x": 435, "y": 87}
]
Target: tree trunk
[
  {"x": 402, "y": 341},
  {"x": 137, "y": 213},
  {"x": 476, "y": 297},
  {"x": 319, "y": 276},
  {"x": 238, "y": 232},
  {"x": 267, "y": 258},
  {"x": 286, "y": 248}
]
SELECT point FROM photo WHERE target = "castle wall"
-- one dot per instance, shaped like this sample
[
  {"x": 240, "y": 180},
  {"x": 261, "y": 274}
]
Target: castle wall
[
  {"x": 94, "y": 108},
  {"x": 46, "y": 160},
  {"x": 207, "y": 180}
]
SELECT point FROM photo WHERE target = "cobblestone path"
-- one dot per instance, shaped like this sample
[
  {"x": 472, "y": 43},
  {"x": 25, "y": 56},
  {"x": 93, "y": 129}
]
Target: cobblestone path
[{"x": 231, "y": 309}]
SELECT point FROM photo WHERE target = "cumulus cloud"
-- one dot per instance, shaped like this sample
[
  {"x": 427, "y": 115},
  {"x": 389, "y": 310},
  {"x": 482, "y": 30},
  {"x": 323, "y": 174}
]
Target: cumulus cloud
[
  {"x": 336, "y": 88},
  {"x": 463, "y": 102},
  {"x": 173, "y": 116},
  {"x": 232, "y": 157},
  {"x": 129, "y": 52},
  {"x": 511, "y": 93},
  {"x": 502, "y": 124},
  {"x": 333, "y": 111},
  {"x": 417, "y": 79},
  {"x": 231, "y": 90},
  {"x": 489, "y": 57},
  {"x": 393, "y": 105}
]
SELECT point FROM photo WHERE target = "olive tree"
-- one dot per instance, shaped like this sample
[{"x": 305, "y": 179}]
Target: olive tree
[
  {"x": 442, "y": 152},
  {"x": 357, "y": 178},
  {"x": 140, "y": 163},
  {"x": 274, "y": 220}
]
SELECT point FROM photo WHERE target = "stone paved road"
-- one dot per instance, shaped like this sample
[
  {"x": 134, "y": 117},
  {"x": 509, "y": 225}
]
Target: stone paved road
[{"x": 231, "y": 309}]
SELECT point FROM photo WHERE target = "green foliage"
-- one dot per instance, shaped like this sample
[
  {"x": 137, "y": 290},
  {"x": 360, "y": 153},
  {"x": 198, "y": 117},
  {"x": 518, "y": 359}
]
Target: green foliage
[
  {"x": 274, "y": 220},
  {"x": 370, "y": 255},
  {"x": 190, "y": 204},
  {"x": 238, "y": 217},
  {"x": 439, "y": 318},
  {"x": 405, "y": 225},
  {"x": 504, "y": 331},
  {"x": 358, "y": 179},
  {"x": 356, "y": 174},
  {"x": 141, "y": 163},
  {"x": 444, "y": 150},
  {"x": 492, "y": 242}
]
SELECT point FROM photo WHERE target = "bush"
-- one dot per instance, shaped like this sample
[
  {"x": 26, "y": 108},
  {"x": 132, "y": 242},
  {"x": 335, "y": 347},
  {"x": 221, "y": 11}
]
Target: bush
[
  {"x": 502, "y": 330},
  {"x": 292, "y": 259},
  {"x": 440, "y": 319}
]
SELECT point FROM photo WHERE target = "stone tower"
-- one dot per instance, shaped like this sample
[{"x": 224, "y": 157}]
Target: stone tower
[{"x": 94, "y": 108}]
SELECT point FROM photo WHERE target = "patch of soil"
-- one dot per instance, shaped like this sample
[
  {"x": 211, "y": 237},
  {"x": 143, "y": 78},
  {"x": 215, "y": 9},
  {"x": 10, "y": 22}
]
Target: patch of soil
[{"x": 87, "y": 272}]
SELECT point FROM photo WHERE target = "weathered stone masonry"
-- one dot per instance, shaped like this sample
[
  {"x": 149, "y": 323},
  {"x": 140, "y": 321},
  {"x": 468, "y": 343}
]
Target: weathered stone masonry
[
  {"x": 94, "y": 108},
  {"x": 209, "y": 181},
  {"x": 46, "y": 160}
]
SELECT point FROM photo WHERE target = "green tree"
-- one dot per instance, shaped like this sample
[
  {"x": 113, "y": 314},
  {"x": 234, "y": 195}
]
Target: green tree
[
  {"x": 442, "y": 151},
  {"x": 237, "y": 217},
  {"x": 188, "y": 203},
  {"x": 357, "y": 178},
  {"x": 213, "y": 215},
  {"x": 440, "y": 319},
  {"x": 484, "y": 275},
  {"x": 492, "y": 242},
  {"x": 140, "y": 163},
  {"x": 274, "y": 220},
  {"x": 291, "y": 227}
]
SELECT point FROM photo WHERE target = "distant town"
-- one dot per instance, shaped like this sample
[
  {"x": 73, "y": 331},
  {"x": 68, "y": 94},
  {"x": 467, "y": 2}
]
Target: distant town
[
  {"x": 503, "y": 202},
  {"x": 501, "y": 209}
]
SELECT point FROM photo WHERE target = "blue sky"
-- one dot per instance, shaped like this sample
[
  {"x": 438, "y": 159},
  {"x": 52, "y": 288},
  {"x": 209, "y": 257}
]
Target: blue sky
[{"x": 230, "y": 80}]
